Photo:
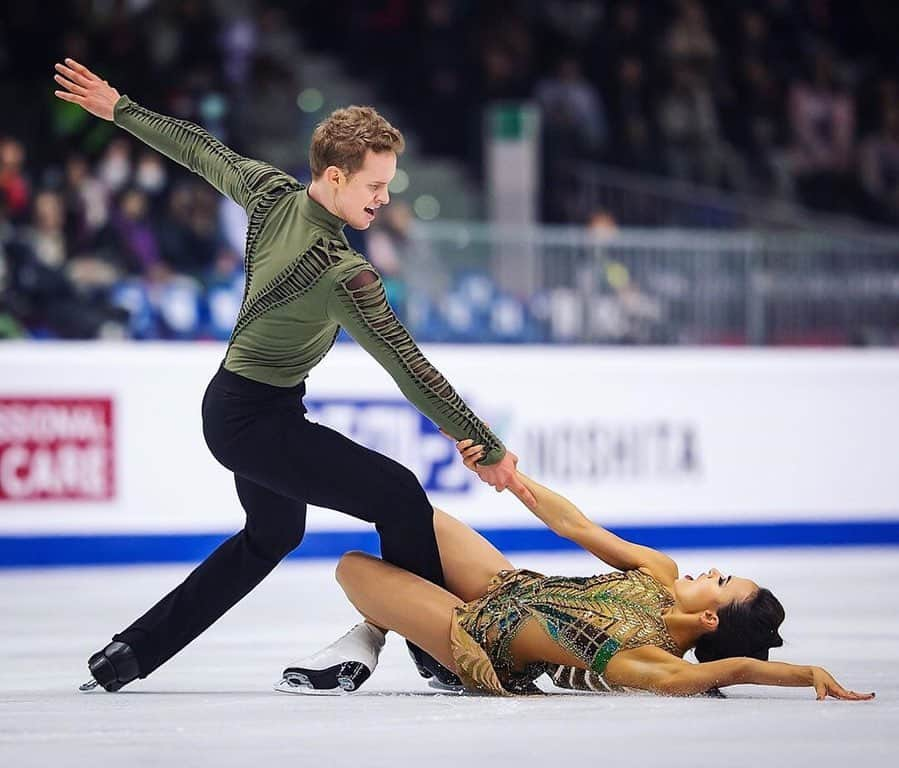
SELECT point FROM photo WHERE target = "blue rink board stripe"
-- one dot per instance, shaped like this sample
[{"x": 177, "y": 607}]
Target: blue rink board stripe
[{"x": 30, "y": 551}]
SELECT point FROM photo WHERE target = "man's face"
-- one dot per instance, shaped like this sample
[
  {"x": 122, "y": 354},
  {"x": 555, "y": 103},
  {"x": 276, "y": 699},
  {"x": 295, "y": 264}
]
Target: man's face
[{"x": 358, "y": 197}]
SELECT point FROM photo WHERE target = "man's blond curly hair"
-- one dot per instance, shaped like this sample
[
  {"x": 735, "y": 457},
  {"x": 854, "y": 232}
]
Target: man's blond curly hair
[{"x": 346, "y": 135}]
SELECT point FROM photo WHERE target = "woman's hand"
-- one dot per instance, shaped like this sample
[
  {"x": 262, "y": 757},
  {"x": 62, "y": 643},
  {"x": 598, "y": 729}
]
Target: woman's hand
[
  {"x": 500, "y": 476},
  {"x": 87, "y": 90},
  {"x": 825, "y": 686},
  {"x": 471, "y": 454}
]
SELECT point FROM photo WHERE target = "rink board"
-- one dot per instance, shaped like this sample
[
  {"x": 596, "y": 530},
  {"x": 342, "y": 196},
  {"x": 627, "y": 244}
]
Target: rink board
[{"x": 102, "y": 457}]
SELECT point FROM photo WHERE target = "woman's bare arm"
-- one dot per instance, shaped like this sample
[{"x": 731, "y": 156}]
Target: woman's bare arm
[
  {"x": 565, "y": 519},
  {"x": 655, "y": 670},
  {"x": 568, "y": 521}
]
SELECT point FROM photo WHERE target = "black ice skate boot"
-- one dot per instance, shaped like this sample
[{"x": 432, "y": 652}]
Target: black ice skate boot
[
  {"x": 438, "y": 676},
  {"x": 112, "y": 667}
]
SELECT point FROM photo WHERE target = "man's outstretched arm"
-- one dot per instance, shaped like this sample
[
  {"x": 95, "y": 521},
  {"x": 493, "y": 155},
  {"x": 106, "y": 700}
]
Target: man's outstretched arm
[
  {"x": 233, "y": 175},
  {"x": 359, "y": 304}
]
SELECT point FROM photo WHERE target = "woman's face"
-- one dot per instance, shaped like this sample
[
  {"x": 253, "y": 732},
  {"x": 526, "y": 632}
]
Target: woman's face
[{"x": 710, "y": 590}]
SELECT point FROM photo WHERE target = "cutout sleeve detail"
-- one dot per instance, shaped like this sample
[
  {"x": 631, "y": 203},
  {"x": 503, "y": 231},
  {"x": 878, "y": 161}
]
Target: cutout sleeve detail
[
  {"x": 360, "y": 305},
  {"x": 245, "y": 181}
]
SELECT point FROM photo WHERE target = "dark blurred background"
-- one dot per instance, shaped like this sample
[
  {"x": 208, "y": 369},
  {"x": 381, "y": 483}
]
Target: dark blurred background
[{"x": 766, "y": 133}]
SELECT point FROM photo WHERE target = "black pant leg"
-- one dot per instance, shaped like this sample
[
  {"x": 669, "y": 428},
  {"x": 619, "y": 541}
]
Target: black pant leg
[
  {"x": 332, "y": 471},
  {"x": 275, "y": 526},
  {"x": 365, "y": 484},
  {"x": 281, "y": 461},
  {"x": 262, "y": 434}
]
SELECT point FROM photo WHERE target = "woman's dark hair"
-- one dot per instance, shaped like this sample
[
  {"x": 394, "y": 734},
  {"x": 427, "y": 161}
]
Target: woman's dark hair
[{"x": 745, "y": 628}]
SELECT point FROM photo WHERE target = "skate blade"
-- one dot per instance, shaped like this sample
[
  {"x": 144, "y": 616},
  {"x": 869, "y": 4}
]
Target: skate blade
[
  {"x": 88, "y": 686},
  {"x": 341, "y": 678},
  {"x": 436, "y": 685},
  {"x": 297, "y": 687}
]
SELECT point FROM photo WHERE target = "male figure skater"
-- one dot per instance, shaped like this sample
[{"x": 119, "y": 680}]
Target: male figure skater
[{"x": 304, "y": 282}]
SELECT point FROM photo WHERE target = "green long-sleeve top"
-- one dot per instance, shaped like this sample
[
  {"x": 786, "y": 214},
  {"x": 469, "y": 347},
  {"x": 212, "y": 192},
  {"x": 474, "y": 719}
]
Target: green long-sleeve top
[{"x": 303, "y": 280}]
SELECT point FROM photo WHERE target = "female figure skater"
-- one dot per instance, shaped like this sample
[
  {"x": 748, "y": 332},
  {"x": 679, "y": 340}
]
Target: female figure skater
[{"x": 499, "y": 628}]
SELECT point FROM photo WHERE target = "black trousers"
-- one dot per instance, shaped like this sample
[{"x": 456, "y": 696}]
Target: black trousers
[{"x": 281, "y": 462}]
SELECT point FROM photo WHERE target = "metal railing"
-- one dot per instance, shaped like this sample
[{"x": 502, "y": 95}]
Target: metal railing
[{"x": 476, "y": 282}]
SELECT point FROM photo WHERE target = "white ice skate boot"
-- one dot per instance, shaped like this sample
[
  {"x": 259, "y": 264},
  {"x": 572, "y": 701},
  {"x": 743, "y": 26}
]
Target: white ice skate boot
[{"x": 340, "y": 668}]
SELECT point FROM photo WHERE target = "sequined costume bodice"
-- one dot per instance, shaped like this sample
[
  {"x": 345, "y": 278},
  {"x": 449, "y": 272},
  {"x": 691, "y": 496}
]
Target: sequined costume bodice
[{"x": 590, "y": 617}]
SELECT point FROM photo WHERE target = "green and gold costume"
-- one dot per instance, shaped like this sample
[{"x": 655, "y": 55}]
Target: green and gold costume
[{"x": 590, "y": 617}]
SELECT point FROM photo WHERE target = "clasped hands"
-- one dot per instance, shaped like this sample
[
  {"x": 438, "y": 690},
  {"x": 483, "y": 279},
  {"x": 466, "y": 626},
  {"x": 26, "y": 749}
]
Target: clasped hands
[{"x": 500, "y": 476}]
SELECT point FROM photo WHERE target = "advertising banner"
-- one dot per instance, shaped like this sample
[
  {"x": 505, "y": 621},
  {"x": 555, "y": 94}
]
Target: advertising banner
[
  {"x": 107, "y": 438},
  {"x": 56, "y": 449}
]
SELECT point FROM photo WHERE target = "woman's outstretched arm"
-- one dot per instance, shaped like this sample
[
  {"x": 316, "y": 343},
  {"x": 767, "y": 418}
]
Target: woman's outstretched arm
[
  {"x": 655, "y": 670},
  {"x": 568, "y": 521},
  {"x": 565, "y": 519}
]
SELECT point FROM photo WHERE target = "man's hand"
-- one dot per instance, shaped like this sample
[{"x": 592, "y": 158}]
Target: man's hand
[
  {"x": 501, "y": 475},
  {"x": 84, "y": 88}
]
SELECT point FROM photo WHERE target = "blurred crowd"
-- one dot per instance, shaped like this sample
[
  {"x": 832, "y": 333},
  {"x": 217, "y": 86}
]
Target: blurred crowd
[
  {"x": 797, "y": 98},
  {"x": 101, "y": 237}
]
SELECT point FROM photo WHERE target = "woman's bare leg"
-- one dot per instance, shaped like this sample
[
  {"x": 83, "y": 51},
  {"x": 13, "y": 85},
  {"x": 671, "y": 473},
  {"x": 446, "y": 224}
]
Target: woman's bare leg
[
  {"x": 392, "y": 598},
  {"x": 469, "y": 561}
]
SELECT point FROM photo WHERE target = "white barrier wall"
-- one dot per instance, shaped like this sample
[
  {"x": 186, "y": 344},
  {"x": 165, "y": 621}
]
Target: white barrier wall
[{"x": 98, "y": 438}]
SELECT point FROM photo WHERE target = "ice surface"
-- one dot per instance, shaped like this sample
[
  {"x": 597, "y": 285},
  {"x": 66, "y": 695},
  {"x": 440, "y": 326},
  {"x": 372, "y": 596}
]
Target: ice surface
[{"x": 213, "y": 706}]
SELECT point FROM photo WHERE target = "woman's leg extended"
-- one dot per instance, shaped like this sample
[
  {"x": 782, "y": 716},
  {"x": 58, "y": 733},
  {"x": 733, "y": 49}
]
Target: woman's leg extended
[
  {"x": 469, "y": 561},
  {"x": 394, "y": 599}
]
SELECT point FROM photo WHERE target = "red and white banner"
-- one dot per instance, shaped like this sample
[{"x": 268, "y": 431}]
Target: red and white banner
[{"x": 58, "y": 448}]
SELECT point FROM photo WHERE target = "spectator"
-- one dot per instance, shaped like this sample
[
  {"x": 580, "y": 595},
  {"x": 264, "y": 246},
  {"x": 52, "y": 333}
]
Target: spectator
[
  {"x": 573, "y": 23},
  {"x": 762, "y": 130},
  {"x": 86, "y": 203},
  {"x": 574, "y": 129},
  {"x": 151, "y": 175},
  {"x": 48, "y": 301},
  {"x": 14, "y": 190},
  {"x": 755, "y": 42},
  {"x": 879, "y": 168},
  {"x": 114, "y": 168},
  {"x": 573, "y": 111},
  {"x": 634, "y": 144},
  {"x": 10, "y": 327},
  {"x": 688, "y": 121},
  {"x": 136, "y": 235},
  {"x": 689, "y": 40},
  {"x": 507, "y": 55},
  {"x": 441, "y": 72},
  {"x": 188, "y": 242},
  {"x": 46, "y": 236},
  {"x": 627, "y": 34},
  {"x": 266, "y": 125},
  {"x": 822, "y": 119},
  {"x": 782, "y": 22}
]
